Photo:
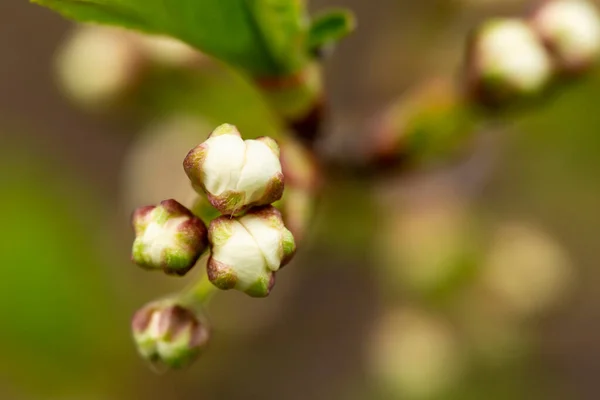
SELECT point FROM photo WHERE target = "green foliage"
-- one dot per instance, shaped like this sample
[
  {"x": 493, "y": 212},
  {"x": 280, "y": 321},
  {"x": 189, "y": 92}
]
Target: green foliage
[
  {"x": 329, "y": 28},
  {"x": 58, "y": 300},
  {"x": 263, "y": 37}
]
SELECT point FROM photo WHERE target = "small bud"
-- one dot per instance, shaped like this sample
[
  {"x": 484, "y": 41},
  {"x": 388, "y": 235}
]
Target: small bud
[
  {"x": 97, "y": 65},
  {"x": 169, "y": 334},
  {"x": 432, "y": 123},
  {"x": 168, "y": 237},
  {"x": 506, "y": 61},
  {"x": 236, "y": 174},
  {"x": 247, "y": 251},
  {"x": 571, "y": 31}
]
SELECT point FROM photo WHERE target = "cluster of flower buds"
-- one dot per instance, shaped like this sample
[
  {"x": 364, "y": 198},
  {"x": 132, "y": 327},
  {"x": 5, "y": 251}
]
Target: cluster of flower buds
[
  {"x": 511, "y": 58},
  {"x": 169, "y": 334},
  {"x": 248, "y": 241},
  {"x": 508, "y": 61},
  {"x": 241, "y": 178}
]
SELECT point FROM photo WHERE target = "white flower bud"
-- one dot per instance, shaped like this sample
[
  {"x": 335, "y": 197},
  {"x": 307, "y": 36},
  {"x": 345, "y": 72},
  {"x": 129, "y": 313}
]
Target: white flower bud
[
  {"x": 169, "y": 334},
  {"x": 168, "y": 237},
  {"x": 97, "y": 65},
  {"x": 236, "y": 174},
  {"x": 506, "y": 61},
  {"x": 247, "y": 251},
  {"x": 571, "y": 30}
]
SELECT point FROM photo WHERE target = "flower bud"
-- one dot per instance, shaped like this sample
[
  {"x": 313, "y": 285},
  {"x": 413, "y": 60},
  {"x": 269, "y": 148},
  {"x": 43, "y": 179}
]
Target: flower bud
[
  {"x": 506, "y": 61},
  {"x": 168, "y": 237},
  {"x": 98, "y": 65},
  {"x": 236, "y": 174},
  {"x": 248, "y": 250},
  {"x": 571, "y": 31},
  {"x": 169, "y": 334},
  {"x": 430, "y": 124}
]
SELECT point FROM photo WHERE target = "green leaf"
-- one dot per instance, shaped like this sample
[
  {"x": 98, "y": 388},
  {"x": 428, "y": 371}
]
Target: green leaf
[
  {"x": 329, "y": 28},
  {"x": 263, "y": 37}
]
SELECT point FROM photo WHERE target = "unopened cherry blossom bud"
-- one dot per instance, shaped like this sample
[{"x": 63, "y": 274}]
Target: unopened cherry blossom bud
[
  {"x": 168, "y": 237},
  {"x": 169, "y": 334},
  {"x": 506, "y": 61},
  {"x": 96, "y": 66},
  {"x": 432, "y": 123},
  {"x": 247, "y": 251},
  {"x": 236, "y": 174},
  {"x": 571, "y": 31}
]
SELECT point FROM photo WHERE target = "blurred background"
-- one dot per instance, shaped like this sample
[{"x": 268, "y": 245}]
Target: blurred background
[{"x": 475, "y": 279}]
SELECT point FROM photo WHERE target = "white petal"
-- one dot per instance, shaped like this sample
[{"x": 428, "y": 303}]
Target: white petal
[
  {"x": 260, "y": 167},
  {"x": 223, "y": 164},
  {"x": 267, "y": 238},
  {"x": 153, "y": 330},
  {"x": 158, "y": 237},
  {"x": 242, "y": 254}
]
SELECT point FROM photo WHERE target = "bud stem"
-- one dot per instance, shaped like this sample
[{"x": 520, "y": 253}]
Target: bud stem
[
  {"x": 298, "y": 99},
  {"x": 199, "y": 293}
]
